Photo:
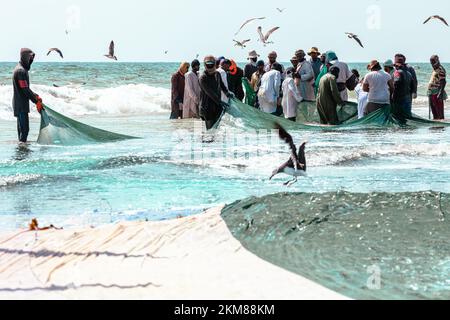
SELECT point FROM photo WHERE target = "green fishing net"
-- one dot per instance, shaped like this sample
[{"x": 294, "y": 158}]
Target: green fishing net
[{"x": 57, "y": 129}]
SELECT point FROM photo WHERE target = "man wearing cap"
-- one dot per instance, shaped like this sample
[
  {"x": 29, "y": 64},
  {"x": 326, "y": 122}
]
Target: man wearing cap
[
  {"x": 389, "y": 67},
  {"x": 315, "y": 61},
  {"x": 403, "y": 89},
  {"x": 344, "y": 73},
  {"x": 192, "y": 92},
  {"x": 212, "y": 86},
  {"x": 328, "y": 98},
  {"x": 436, "y": 88},
  {"x": 378, "y": 84},
  {"x": 23, "y": 94},
  {"x": 307, "y": 78},
  {"x": 251, "y": 67}
]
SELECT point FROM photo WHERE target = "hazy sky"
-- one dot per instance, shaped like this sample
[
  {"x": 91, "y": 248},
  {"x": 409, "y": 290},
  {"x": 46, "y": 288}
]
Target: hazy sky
[{"x": 143, "y": 30}]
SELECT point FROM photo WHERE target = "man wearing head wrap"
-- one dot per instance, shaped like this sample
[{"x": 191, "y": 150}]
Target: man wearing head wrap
[
  {"x": 192, "y": 92},
  {"x": 235, "y": 75},
  {"x": 272, "y": 56},
  {"x": 436, "y": 88},
  {"x": 23, "y": 94},
  {"x": 403, "y": 90},
  {"x": 306, "y": 72},
  {"x": 329, "y": 97},
  {"x": 212, "y": 87},
  {"x": 178, "y": 84}
]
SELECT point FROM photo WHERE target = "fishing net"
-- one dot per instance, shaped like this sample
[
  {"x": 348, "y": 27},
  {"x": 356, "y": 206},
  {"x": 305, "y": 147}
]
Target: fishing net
[
  {"x": 250, "y": 94},
  {"x": 249, "y": 117},
  {"x": 57, "y": 129}
]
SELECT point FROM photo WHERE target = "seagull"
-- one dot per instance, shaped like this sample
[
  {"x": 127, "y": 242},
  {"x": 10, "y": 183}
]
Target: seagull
[
  {"x": 296, "y": 165},
  {"x": 436, "y": 17},
  {"x": 281, "y": 10},
  {"x": 55, "y": 50},
  {"x": 354, "y": 37},
  {"x": 67, "y": 32},
  {"x": 264, "y": 38},
  {"x": 111, "y": 52},
  {"x": 247, "y": 22},
  {"x": 241, "y": 43},
  {"x": 166, "y": 52}
]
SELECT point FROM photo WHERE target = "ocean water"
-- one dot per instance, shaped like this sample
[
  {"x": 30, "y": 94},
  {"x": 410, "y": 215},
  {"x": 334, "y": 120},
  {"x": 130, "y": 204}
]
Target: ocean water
[{"x": 177, "y": 170}]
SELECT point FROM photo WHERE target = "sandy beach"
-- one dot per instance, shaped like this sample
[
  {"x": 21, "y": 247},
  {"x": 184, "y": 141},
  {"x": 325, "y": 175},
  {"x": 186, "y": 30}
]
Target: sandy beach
[{"x": 189, "y": 258}]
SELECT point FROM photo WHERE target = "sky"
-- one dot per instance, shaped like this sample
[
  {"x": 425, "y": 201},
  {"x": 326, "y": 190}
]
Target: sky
[{"x": 144, "y": 30}]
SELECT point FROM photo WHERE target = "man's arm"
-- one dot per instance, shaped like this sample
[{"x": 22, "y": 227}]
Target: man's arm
[
  {"x": 442, "y": 82},
  {"x": 309, "y": 72},
  {"x": 366, "y": 87},
  {"x": 335, "y": 92},
  {"x": 24, "y": 86}
]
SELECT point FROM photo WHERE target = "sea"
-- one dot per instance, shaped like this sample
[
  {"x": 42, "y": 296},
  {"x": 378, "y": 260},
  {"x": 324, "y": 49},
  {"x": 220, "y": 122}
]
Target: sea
[{"x": 371, "y": 219}]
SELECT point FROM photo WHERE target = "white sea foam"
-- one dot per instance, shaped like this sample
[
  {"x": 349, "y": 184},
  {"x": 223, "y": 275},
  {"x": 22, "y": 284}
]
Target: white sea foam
[
  {"x": 78, "y": 101},
  {"x": 8, "y": 181}
]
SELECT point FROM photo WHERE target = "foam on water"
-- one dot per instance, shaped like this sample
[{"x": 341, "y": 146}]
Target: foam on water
[{"x": 122, "y": 100}]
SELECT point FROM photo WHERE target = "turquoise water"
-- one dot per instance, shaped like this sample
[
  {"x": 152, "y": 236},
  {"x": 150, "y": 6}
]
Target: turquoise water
[{"x": 174, "y": 171}]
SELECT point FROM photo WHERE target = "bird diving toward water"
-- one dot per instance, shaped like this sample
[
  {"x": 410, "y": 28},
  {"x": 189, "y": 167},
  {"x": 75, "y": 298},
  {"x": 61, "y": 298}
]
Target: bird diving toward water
[
  {"x": 241, "y": 43},
  {"x": 55, "y": 50},
  {"x": 354, "y": 37},
  {"x": 438, "y": 18},
  {"x": 111, "y": 55},
  {"x": 247, "y": 22},
  {"x": 281, "y": 10},
  {"x": 296, "y": 166},
  {"x": 264, "y": 38}
]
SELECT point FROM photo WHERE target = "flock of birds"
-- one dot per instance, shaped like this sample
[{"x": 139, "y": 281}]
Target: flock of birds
[{"x": 263, "y": 37}]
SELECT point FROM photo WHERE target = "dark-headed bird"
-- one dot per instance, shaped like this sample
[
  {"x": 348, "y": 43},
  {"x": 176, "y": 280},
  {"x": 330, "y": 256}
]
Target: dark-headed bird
[
  {"x": 55, "y": 50},
  {"x": 296, "y": 166},
  {"x": 264, "y": 38},
  {"x": 111, "y": 55},
  {"x": 438, "y": 18},
  {"x": 354, "y": 37},
  {"x": 241, "y": 43}
]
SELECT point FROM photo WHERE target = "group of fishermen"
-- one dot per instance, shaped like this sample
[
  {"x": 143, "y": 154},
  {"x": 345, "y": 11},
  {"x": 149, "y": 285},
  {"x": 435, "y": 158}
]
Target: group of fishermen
[{"x": 322, "y": 78}]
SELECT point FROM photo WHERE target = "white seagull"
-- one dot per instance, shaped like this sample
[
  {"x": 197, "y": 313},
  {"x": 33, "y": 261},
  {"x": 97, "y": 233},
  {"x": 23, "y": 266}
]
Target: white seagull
[
  {"x": 111, "y": 55},
  {"x": 264, "y": 38},
  {"x": 241, "y": 43},
  {"x": 247, "y": 22}
]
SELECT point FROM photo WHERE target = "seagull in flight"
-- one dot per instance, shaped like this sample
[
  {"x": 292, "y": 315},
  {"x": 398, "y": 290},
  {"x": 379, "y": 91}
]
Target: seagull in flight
[
  {"x": 247, "y": 22},
  {"x": 281, "y": 10},
  {"x": 55, "y": 50},
  {"x": 111, "y": 55},
  {"x": 438, "y": 18},
  {"x": 354, "y": 37},
  {"x": 241, "y": 43},
  {"x": 296, "y": 165},
  {"x": 264, "y": 38}
]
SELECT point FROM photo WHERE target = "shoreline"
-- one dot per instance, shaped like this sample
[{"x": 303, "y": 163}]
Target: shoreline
[{"x": 183, "y": 259}]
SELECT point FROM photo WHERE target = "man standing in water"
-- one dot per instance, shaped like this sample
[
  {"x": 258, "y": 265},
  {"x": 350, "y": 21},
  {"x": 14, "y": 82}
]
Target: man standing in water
[
  {"x": 328, "y": 98},
  {"x": 191, "y": 92},
  {"x": 212, "y": 87},
  {"x": 178, "y": 85},
  {"x": 23, "y": 94},
  {"x": 436, "y": 88}
]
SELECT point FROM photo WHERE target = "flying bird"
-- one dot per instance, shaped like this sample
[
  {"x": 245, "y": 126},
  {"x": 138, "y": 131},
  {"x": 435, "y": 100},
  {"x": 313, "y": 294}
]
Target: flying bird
[
  {"x": 281, "y": 10},
  {"x": 438, "y": 18},
  {"x": 166, "y": 52},
  {"x": 265, "y": 38},
  {"x": 241, "y": 43},
  {"x": 111, "y": 55},
  {"x": 247, "y": 22},
  {"x": 354, "y": 37},
  {"x": 67, "y": 32},
  {"x": 55, "y": 50},
  {"x": 296, "y": 165}
]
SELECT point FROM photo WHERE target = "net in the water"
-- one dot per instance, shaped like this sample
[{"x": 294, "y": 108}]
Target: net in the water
[
  {"x": 308, "y": 118},
  {"x": 57, "y": 129}
]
